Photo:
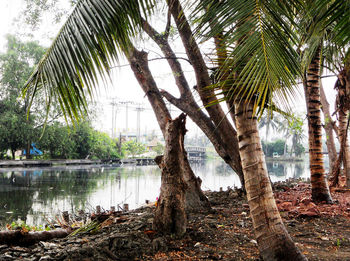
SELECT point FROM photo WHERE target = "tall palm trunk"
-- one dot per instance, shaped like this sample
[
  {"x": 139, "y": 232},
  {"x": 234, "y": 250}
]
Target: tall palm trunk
[
  {"x": 319, "y": 186},
  {"x": 273, "y": 239}
]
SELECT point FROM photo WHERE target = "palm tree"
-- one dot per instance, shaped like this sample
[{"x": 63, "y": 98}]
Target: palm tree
[
  {"x": 268, "y": 120},
  {"x": 327, "y": 32},
  {"x": 261, "y": 58},
  {"x": 257, "y": 64}
]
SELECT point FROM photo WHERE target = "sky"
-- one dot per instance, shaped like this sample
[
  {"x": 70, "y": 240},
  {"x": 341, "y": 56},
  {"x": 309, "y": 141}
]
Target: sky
[{"x": 124, "y": 88}]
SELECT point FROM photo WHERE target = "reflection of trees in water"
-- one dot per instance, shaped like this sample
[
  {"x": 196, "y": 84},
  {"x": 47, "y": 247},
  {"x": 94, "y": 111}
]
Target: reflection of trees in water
[
  {"x": 138, "y": 171},
  {"x": 276, "y": 168},
  {"x": 20, "y": 190},
  {"x": 16, "y": 196},
  {"x": 279, "y": 169}
]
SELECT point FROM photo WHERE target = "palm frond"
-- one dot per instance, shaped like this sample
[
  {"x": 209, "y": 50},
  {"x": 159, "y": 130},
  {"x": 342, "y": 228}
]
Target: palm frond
[
  {"x": 92, "y": 39},
  {"x": 262, "y": 61},
  {"x": 338, "y": 15}
]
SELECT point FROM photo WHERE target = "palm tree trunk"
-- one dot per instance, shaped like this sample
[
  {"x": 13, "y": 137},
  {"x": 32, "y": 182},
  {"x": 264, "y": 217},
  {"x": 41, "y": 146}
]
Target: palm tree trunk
[
  {"x": 273, "y": 239},
  {"x": 319, "y": 187}
]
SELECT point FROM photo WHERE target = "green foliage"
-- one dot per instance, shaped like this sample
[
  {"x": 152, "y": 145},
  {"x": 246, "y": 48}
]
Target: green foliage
[
  {"x": 133, "y": 148},
  {"x": 85, "y": 48},
  {"x": 159, "y": 149},
  {"x": 16, "y": 64},
  {"x": 265, "y": 61},
  {"x": 15, "y": 225},
  {"x": 15, "y": 130},
  {"x": 56, "y": 142},
  {"x": 275, "y": 146},
  {"x": 81, "y": 142},
  {"x": 104, "y": 147}
]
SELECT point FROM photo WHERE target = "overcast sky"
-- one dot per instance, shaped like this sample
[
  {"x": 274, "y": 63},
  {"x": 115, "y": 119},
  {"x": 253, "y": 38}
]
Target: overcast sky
[{"x": 125, "y": 87}]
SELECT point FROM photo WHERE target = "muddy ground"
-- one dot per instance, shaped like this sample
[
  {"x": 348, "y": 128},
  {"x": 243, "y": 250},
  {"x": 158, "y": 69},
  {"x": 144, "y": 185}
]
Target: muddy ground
[{"x": 225, "y": 233}]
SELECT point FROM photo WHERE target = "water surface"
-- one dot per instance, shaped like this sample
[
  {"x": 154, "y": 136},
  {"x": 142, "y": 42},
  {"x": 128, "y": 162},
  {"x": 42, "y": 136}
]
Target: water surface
[{"x": 37, "y": 194}]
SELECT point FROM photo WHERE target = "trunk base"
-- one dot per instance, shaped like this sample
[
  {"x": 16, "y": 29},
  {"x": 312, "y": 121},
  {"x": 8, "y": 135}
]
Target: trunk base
[
  {"x": 170, "y": 216},
  {"x": 319, "y": 196}
]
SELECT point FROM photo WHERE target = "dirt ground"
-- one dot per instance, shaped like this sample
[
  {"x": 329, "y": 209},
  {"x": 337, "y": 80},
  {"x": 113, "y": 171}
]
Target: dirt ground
[{"x": 322, "y": 232}]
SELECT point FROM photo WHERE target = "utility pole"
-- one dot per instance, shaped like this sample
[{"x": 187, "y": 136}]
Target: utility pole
[
  {"x": 126, "y": 103},
  {"x": 114, "y": 116},
  {"x": 138, "y": 121}
]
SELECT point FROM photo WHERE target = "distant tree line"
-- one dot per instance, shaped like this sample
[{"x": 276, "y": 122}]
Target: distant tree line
[
  {"x": 61, "y": 142},
  {"x": 19, "y": 128}
]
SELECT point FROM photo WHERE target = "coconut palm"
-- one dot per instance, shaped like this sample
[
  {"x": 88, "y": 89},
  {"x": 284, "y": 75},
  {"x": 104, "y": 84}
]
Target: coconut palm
[
  {"x": 262, "y": 64},
  {"x": 259, "y": 65},
  {"x": 252, "y": 56}
]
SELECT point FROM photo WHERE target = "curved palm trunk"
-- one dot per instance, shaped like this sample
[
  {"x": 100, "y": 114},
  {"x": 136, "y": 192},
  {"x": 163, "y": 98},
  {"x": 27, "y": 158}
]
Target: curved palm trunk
[
  {"x": 273, "y": 239},
  {"x": 319, "y": 186}
]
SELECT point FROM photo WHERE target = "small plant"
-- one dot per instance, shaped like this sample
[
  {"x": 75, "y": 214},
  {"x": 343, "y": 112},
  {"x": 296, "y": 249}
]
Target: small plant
[
  {"x": 21, "y": 225},
  {"x": 339, "y": 242}
]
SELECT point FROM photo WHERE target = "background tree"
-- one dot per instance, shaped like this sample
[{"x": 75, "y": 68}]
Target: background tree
[
  {"x": 275, "y": 146},
  {"x": 16, "y": 65},
  {"x": 133, "y": 148},
  {"x": 77, "y": 142},
  {"x": 159, "y": 148}
]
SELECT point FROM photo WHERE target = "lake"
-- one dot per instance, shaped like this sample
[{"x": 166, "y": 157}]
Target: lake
[{"x": 37, "y": 194}]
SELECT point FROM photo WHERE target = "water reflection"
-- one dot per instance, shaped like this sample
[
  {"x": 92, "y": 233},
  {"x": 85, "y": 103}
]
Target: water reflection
[{"x": 34, "y": 194}]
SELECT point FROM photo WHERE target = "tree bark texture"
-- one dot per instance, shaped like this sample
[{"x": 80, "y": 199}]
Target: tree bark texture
[
  {"x": 273, "y": 240},
  {"x": 319, "y": 187},
  {"x": 227, "y": 144},
  {"x": 20, "y": 238},
  {"x": 329, "y": 126},
  {"x": 343, "y": 107},
  {"x": 170, "y": 216},
  {"x": 195, "y": 198}
]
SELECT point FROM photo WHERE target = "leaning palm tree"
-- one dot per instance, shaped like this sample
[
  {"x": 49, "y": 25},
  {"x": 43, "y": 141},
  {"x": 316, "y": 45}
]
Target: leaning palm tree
[{"x": 261, "y": 65}]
